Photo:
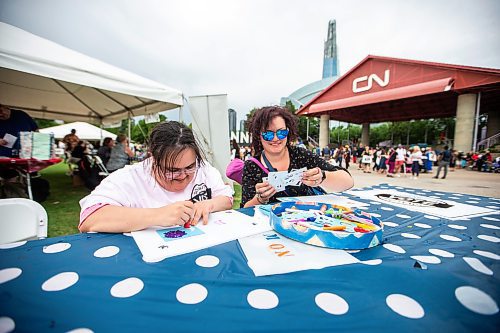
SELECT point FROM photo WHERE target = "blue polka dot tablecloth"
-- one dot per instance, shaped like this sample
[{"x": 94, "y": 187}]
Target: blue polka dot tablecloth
[{"x": 429, "y": 275}]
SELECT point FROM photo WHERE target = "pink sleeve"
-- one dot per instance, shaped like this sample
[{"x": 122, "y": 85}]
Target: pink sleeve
[{"x": 89, "y": 211}]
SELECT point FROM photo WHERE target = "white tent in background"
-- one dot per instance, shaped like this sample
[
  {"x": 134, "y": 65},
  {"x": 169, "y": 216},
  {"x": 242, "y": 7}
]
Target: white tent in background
[
  {"x": 50, "y": 81},
  {"x": 84, "y": 131}
]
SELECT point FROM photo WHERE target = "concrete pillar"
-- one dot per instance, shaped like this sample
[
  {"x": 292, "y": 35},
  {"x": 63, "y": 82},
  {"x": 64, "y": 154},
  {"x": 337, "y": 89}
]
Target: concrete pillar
[
  {"x": 464, "y": 125},
  {"x": 493, "y": 125},
  {"x": 365, "y": 134},
  {"x": 324, "y": 130}
]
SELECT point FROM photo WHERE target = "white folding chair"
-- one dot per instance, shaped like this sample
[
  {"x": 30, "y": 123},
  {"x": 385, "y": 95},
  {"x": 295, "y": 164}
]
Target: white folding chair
[
  {"x": 104, "y": 172},
  {"x": 22, "y": 219}
]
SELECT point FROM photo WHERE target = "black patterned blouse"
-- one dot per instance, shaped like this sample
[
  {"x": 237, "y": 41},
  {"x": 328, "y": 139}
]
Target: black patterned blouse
[{"x": 299, "y": 158}]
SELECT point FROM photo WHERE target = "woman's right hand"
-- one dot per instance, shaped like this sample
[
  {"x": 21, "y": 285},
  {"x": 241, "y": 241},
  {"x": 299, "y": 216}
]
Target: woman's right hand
[
  {"x": 175, "y": 214},
  {"x": 264, "y": 191}
]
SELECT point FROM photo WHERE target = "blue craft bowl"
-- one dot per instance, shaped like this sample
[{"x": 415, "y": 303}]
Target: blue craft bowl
[{"x": 324, "y": 238}]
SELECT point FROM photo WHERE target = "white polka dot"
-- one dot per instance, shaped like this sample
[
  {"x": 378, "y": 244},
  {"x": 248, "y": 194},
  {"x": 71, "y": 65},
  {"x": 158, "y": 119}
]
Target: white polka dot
[
  {"x": 430, "y": 217},
  {"x": 403, "y": 216},
  {"x": 450, "y": 238},
  {"x": 7, "y": 325},
  {"x": 489, "y": 218},
  {"x": 91, "y": 232},
  {"x": 352, "y": 251},
  {"x": 456, "y": 226},
  {"x": 487, "y": 254},
  {"x": 398, "y": 187},
  {"x": 410, "y": 235},
  {"x": 440, "y": 194},
  {"x": 11, "y": 245},
  {"x": 81, "y": 330},
  {"x": 375, "y": 203},
  {"x": 372, "y": 262},
  {"x": 394, "y": 248},
  {"x": 434, "y": 196},
  {"x": 478, "y": 265},
  {"x": 127, "y": 288},
  {"x": 426, "y": 191},
  {"x": 427, "y": 259},
  {"x": 489, "y": 226},
  {"x": 472, "y": 201},
  {"x": 207, "y": 261},
  {"x": 192, "y": 293},
  {"x": 405, "y": 306},
  {"x": 375, "y": 214},
  {"x": 476, "y": 300},
  {"x": 55, "y": 248},
  {"x": 492, "y": 239},
  {"x": 410, "y": 190},
  {"x": 387, "y": 208},
  {"x": 331, "y": 303},
  {"x": 60, "y": 281},
  {"x": 107, "y": 251},
  {"x": 441, "y": 253},
  {"x": 128, "y": 234},
  {"x": 422, "y": 225},
  {"x": 492, "y": 207},
  {"x": 262, "y": 299},
  {"x": 390, "y": 224},
  {"x": 458, "y": 195},
  {"x": 8, "y": 274},
  {"x": 473, "y": 198}
]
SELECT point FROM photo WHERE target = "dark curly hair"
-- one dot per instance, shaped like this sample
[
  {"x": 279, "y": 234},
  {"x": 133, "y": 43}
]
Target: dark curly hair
[
  {"x": 166, "y": 142},
  {"x": 263, "y": 117}
]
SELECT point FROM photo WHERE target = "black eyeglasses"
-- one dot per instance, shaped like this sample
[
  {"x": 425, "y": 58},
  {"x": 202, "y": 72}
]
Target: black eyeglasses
[{"x": 269, "y": 135}]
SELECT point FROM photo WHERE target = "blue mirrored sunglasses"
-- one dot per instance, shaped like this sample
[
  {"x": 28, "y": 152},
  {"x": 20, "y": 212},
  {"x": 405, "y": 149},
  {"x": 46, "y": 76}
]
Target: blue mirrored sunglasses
[{"x": 269, "y": 135}]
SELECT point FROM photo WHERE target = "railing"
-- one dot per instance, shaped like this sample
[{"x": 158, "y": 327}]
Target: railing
[{"x": 488, "y": 142}]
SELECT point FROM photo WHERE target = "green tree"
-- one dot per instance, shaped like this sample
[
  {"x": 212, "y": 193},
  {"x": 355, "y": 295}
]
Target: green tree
[{"x": 44, "y": 123}]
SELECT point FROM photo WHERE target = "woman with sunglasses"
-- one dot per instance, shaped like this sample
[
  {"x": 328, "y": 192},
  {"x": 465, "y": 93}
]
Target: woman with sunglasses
[
  {"x": 273, "y": 128},
  {"x": 174, "y": 186}
]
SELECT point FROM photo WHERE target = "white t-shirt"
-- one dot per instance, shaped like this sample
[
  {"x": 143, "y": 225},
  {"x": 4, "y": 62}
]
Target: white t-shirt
[
  {"x": 135, "y": 187},
  {"x": 401, "y": 152}
]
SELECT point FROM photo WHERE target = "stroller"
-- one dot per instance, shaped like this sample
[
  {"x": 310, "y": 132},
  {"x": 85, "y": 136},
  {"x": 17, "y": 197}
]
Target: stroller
[
  {"x": 495, "y": 166},
  {"x": 92, "y": 171}
]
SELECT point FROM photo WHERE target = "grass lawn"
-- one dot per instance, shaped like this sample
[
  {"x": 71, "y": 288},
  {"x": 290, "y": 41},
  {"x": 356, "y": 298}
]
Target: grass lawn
[{"x": 62, "y": 205}]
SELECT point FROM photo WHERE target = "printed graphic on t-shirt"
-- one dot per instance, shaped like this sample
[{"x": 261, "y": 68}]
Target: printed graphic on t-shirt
[{"x": 201, "y": 192}]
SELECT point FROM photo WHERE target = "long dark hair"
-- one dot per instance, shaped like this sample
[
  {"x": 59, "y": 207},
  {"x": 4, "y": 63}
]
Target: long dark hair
[
  {"x": 166, "y": 142},
  {"x": 261, "y": 119}
]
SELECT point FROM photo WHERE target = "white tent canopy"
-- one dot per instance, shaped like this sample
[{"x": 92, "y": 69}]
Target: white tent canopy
[
  {"x": 50, "y": 81},
  {"x": 84, "y": 131}
]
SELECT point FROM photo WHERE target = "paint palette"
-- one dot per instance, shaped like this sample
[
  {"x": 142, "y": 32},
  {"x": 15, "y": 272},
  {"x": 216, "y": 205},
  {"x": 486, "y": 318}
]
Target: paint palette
[{"x": 326, "y": 225}]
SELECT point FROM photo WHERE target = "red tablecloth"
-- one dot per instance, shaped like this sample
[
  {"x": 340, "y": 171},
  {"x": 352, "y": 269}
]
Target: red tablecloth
[{"x": 28, "y": 164}]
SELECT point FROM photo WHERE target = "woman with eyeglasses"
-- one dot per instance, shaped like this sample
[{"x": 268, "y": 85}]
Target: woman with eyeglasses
[
  {"x": 174, "y": 186},
  {"x": 273, "y": 129}
]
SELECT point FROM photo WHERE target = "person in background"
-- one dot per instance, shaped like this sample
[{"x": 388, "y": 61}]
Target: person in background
[
  {"x": 174, "y": 186},
  {"x": 347, "y": 156},
  {"x": 120, "y": 154},
  {"x": 273, "y": 129},
  {"x": 235, "y": 150},
  {"x": 71, "y": 140},
  {"x": 12, "y": 122},
  {"x": 400, "y": 160},
  {"x": 383, "y": 161},
  {"x": 416, "y": 158},
  {"x": 104, "y": 152},
  {"x": 429, "y": 161},
  {"x": 367, "y": 159},
  {"x": 444, "y": 161}
]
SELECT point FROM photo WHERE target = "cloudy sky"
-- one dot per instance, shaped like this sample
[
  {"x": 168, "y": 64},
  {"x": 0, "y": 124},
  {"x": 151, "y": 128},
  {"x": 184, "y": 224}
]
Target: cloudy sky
[{"x": 258, "y": 51}]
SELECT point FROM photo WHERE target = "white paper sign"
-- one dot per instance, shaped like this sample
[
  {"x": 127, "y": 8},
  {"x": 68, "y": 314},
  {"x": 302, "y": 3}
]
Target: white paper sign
[
  {"x": 11, "y": 139},
  {"x": 158, "y": 243},
  {"x": 328, "y": 199},
  {"x": 438, "y": 207},
  {"x": 270, "y": 253}
]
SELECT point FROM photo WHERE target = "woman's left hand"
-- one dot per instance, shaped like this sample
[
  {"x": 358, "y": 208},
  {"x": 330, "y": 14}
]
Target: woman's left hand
[
  {"x": 312, "y": 177},
  {"x": 201, "y": 210}
]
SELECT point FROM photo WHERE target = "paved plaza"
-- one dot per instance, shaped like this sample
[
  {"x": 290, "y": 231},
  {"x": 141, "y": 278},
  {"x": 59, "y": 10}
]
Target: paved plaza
[{"x": 460, "y": 181}]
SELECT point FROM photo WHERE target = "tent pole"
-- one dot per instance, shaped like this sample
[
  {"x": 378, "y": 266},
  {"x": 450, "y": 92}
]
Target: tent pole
[{"x": 129, "y": 131}]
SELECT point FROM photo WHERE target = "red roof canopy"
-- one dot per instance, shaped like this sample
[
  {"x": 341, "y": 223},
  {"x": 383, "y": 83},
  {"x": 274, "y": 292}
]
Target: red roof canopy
[{"x": 381, "y": 89}]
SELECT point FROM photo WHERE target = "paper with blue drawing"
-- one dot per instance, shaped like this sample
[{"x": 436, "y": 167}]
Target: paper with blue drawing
[{"x": 159, "y": 243}]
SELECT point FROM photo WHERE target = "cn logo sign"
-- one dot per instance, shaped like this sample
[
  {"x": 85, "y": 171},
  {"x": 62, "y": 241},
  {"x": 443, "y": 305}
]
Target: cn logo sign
[{"x": 358, "y": 86}]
